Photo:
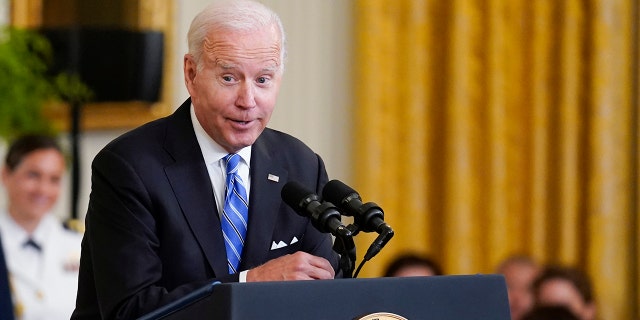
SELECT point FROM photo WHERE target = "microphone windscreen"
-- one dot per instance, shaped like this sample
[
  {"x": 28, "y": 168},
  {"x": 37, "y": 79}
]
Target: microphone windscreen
[
  {"x": 293, "y": 194},
  {"x": 335, "y": 192}
]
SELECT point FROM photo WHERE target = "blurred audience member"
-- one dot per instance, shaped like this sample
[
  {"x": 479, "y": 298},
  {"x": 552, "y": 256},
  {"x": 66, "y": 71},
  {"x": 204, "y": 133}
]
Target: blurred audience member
[
  {"x": 412, "y": 265},
  {"x": 565, "y": 286},
  {"x": 550, "y": 313},
  {"x": 42, "y": 257},
  {"x": 519, "y": 272}
]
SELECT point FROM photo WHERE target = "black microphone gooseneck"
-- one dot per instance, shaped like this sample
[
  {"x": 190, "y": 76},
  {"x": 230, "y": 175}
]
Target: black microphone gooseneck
[
  {"x": 368, "y": 217},
  {"x": 324, "y": 217}
]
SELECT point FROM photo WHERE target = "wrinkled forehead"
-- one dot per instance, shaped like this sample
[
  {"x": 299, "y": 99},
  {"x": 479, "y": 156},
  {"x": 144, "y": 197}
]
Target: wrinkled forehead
[{"x": 225, "y": 46}]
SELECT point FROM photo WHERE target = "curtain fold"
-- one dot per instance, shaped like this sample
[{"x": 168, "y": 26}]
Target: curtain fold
[{"x": 491, "y": 127}]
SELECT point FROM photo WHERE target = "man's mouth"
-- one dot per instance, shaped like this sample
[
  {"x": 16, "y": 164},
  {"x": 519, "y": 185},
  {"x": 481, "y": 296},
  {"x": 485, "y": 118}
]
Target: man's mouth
[{"x": 241, "y": 122}]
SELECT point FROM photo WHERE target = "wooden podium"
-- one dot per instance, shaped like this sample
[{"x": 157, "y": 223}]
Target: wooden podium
[{"x": 432, "y": 298}]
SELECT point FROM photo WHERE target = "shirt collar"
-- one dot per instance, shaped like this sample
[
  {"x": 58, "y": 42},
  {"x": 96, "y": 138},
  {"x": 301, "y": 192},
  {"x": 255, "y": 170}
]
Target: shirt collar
[
  {"x": 211, "y": 150},
  {"x": 18, "y": 236}
]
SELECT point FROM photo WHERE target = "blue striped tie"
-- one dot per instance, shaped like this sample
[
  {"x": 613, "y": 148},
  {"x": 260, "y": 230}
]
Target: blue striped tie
[{"x": 235, "y": 212}]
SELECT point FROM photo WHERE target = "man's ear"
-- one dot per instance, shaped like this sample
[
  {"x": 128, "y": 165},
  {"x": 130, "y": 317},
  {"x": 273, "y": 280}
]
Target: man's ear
[{"x": 190, "y": 70}]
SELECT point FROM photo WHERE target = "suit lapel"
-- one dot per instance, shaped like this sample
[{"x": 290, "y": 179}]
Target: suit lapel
[
  {"x": 189, "y": 179},
  {"x": 264, "y": 204}
]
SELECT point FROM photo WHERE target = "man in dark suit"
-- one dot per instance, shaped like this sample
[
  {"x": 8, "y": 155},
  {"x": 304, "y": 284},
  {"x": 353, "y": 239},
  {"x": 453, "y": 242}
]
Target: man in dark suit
[{"x": 153, "y": 226}]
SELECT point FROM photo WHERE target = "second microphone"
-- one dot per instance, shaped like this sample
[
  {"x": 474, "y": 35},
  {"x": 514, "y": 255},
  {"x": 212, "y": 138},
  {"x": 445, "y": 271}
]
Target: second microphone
[{"x": 324, "y": 216}]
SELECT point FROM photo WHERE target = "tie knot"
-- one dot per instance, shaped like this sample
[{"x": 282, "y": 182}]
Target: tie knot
[
  {"x": 32, "y": 244},
  {"x": 232, "y": 160}
]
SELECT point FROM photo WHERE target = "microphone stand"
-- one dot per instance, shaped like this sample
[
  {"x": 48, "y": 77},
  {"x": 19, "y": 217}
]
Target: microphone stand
[
  {"x": 386, "y": 233},
  {"x": 346, "y": 248}
]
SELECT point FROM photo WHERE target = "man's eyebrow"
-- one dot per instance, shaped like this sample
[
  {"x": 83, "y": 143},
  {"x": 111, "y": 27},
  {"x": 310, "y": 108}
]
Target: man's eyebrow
[
  {"x": 226, "y": 65},
  {"x": 231, "y": 66},
  {"x": 272, "y": 68}
]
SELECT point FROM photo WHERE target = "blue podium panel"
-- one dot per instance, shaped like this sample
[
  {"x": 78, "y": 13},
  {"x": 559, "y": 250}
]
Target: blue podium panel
[{"x": 424, "y": 298}]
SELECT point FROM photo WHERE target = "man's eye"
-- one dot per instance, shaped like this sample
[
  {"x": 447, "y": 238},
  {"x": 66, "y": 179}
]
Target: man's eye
[
  {"x": 227, "y": 78},
  {"x": 262, "y": 80}
]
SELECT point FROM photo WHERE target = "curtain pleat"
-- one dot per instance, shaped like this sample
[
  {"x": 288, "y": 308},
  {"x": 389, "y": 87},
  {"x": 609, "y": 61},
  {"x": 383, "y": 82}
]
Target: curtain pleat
[
  {"x": 571, "y": 107},
  {"x": 491, "y": 127},
  {"x": 609, "y": 136},
  {"x": 540, "y": 49}
]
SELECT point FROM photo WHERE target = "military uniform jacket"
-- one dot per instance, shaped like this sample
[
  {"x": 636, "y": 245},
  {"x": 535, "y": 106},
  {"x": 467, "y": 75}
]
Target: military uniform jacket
[{"x": 43, "y": 281}]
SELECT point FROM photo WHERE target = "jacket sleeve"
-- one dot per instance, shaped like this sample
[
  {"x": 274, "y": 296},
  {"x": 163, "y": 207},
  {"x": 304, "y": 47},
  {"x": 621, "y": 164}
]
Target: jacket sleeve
[{"x": 121, "y": 249}]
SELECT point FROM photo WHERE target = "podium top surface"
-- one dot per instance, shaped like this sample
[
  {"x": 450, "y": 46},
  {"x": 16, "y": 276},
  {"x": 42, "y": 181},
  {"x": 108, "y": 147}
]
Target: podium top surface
[{"x": 425, "y": 298}]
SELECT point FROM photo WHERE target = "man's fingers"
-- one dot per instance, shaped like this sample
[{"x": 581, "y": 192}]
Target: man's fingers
[{"x": 297, "y": 266}]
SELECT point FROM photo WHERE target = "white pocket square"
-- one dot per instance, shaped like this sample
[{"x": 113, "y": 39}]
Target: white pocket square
[
  {"x": 282, "y": 244},
  {"x": 278, "y": 245}
]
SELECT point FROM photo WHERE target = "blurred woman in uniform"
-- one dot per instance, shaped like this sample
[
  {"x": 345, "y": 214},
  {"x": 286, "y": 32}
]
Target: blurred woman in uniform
[{"x": 42, "y": 256}]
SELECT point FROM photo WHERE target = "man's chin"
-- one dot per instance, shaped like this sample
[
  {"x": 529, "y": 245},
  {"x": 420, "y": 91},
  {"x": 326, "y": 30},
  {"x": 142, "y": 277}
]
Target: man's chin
[{"x": 242, "y": 140}]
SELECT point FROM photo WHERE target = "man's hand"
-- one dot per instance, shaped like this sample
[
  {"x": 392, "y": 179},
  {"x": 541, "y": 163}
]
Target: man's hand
[{"x": 297, "y": 266}]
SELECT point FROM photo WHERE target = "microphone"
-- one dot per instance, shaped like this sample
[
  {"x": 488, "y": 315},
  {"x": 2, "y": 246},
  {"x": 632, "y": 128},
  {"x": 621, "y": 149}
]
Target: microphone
[
  {"x": 324, "y": 216},
  {"x": 368, "y": 216}
]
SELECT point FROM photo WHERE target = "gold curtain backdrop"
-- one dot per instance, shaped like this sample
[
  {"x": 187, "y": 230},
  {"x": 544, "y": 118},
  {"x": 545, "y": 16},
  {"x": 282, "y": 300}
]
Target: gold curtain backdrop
[{"x": 491, "y": 127}]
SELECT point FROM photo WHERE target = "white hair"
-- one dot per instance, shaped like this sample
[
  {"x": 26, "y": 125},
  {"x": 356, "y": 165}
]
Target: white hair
[{"x": 236, "y": 15}]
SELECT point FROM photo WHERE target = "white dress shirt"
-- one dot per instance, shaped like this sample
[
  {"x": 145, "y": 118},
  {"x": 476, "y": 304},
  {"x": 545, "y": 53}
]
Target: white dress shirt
[
  {"x": 44, "y": 281},
  {"x": 213, "y": 155}
]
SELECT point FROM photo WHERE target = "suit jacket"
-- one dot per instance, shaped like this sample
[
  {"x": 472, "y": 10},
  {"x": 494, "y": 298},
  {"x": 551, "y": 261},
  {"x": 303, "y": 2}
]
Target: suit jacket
[{"x": 152, "y": 228}]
